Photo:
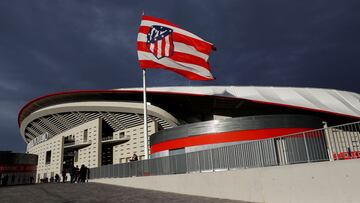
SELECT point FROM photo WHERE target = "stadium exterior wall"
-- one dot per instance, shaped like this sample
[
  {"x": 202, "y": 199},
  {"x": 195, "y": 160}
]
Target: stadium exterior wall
[
  {"x": 321, "y": 182},
  {"x": 101, "y": 127},
  {"x": 229, "y": 130}
]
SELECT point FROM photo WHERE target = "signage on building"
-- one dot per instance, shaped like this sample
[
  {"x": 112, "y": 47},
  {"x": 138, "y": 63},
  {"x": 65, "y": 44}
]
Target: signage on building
[{"x": 39, "y": 139}]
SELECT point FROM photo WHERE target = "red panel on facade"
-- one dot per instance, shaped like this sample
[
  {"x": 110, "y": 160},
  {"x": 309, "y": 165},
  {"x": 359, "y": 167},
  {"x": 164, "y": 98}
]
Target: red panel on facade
[
  {"x": 17, "y": 168},
  {"x": 235, "y": 136}
]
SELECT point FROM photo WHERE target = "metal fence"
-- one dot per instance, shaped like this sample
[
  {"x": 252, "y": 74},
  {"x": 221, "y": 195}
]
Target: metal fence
[{"x": 327, "y": 144}]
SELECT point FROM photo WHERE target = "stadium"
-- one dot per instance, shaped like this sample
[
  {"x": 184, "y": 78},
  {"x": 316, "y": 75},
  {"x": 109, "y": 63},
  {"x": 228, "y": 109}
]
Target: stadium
[{"x": 105, "y": 127}]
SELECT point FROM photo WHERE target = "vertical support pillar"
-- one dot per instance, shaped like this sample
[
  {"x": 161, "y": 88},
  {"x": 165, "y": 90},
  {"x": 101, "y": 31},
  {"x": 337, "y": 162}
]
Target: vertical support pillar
[
  {"x": 306, "y": 148},
  {"x": 146, "y": 148}
]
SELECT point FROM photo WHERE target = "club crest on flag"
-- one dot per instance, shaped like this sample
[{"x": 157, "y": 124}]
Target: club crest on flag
[{"x": 160, "y": 41}]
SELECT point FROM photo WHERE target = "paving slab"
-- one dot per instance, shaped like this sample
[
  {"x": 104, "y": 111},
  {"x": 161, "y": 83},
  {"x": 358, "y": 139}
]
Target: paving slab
[{"x": 93, "y": 193}]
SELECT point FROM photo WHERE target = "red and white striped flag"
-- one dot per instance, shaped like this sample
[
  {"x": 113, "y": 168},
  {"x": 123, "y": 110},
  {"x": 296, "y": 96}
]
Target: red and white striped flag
[{"x": 161, "y": 44}]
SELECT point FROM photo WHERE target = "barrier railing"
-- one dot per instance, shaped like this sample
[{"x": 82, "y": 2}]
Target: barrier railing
[{"x": 327, "y": 144}]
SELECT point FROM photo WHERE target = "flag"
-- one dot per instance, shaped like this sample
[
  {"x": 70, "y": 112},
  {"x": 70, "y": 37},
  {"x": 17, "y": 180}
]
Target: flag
[{"x": 161, "y": 44}]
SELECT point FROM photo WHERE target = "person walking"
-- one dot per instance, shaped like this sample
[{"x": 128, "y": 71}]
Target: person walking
[
  {"x": 12, "y": 179},
  {"x": 57, "y": 178},
  {"x": 83, "y": 173},
  {"x": 5, "y": 180},
  {"x": 77, "y": 174},
  {"x": 72, "y": 174},
  {"x": 134, "y": 157},
  {"x": 88, "y": 174},
  {"x": 63, "y": 174}
]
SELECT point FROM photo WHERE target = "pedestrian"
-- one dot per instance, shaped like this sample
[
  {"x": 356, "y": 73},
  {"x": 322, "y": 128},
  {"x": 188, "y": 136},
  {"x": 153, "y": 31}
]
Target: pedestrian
[
  {"x": 72, "y": 174},
  {"x": 83, "y": 173},
  {"x": 88, "y": 174},
  {"x": 134, "y": 157},
  {"x": 57, "y": 178},
  {"x": 5, "y": 180},
  {"x": 63, "y": 174},
  {"x": 77, "y": 174}
]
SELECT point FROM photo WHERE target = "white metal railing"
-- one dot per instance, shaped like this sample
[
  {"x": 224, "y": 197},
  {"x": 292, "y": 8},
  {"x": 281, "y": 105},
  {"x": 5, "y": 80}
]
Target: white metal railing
[
  {"x": 74, "y": 143},
  {"x": 107, "y": 138},
  {"x": 327, "y": 144}
]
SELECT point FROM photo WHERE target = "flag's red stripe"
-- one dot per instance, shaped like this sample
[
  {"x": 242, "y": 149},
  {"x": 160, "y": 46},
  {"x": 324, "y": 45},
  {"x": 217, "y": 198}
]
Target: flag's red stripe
[
  {"x": 163, "y": 43},
  {"x": 188, "y": 58},
  {"x": 179, "y": 56},
  {"x": 144, "y": 29},
  {"x": 199, "y": 45},
  {"x": 155, "y": 48},
  {"x": 171, "y": 44},
  {"x": 150, "y": 18},
  {"x": 187, "y": 74}
]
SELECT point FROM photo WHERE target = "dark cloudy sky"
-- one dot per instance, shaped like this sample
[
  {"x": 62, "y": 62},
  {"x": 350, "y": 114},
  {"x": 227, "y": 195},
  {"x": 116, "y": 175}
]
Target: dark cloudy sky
[{"x": 51, "y": 46}]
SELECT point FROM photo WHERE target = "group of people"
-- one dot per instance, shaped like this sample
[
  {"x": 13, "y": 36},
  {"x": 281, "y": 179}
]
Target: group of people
[
  {"x": 15, "y": 180},
  {"x": 4, "y": 180},
  {"x": 76, "y": 175},
  {"x": 134, "y": 158}
]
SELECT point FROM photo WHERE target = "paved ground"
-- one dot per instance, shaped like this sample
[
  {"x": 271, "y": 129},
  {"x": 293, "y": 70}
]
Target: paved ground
[{"x": 92, "y": 193}]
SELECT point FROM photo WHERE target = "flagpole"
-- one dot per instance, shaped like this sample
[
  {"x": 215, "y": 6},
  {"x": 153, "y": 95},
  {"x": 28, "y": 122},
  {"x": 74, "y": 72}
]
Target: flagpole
[{"x": 146, "y": 148}]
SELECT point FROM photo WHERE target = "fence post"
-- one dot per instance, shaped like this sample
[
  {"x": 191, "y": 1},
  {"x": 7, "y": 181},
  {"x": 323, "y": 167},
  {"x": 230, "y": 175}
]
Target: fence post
[
  {"x": 306, "y": 148},
  {"x": 143, "y": 167},
  {"x": 261, "y": 153},
  {"x": 186, "y": 162},
  {"x": 198, "y": 158},
  {"x": 211, "y": 160},
  {"x": 108, "y": 171},
  {"x": 228, "y": 158},
  {"x": 169, "y": 165},
  {"x": 329, "y": 144}
]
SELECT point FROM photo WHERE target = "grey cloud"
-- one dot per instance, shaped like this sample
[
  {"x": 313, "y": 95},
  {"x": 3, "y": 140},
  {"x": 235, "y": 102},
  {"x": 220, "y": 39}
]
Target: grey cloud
[{"x": 51, "y": 46}]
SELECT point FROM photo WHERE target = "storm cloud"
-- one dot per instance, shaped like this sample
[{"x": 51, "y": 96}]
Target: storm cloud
[{"x": 51, "y": 46}]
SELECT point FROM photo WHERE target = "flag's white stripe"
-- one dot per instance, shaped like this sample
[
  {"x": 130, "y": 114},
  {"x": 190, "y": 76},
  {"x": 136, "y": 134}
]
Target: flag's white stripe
[
  {"x": 159, "y": 49},
  {"x": 184, "y": 48},
  {"x": 152, "y": 46},
  {"x": 178, "y": 30},
  {"x": 199, "y": 70},
  {"x": 142, "y": 37},
  {"x": 180, "y": 47},
  {"x": 167, "y": 45}
]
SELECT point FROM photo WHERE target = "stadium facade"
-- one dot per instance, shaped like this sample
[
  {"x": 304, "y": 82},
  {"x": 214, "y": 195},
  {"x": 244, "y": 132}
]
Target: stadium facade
[{"x": 101, "y": 127}]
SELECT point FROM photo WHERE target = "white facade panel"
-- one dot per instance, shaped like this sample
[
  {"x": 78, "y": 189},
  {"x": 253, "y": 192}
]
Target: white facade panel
[
  {"x": 123, "y": 152},
  {"x": 90, "y": 156}
]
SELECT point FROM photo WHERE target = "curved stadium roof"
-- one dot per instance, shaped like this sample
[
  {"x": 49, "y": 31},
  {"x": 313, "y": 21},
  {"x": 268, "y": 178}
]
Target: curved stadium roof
[{"x": 324, "y": 101}]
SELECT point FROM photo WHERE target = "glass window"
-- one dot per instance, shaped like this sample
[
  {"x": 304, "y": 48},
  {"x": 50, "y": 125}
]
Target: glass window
[
  {"x": 48, "y": 157},
  {"x": 76, "y": 156},
  {"x": 85, "y": 135}
]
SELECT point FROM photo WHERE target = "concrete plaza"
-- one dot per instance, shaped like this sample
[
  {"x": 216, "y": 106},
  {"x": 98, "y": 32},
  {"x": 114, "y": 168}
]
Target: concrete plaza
[{"x": 92, "y": 193}]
